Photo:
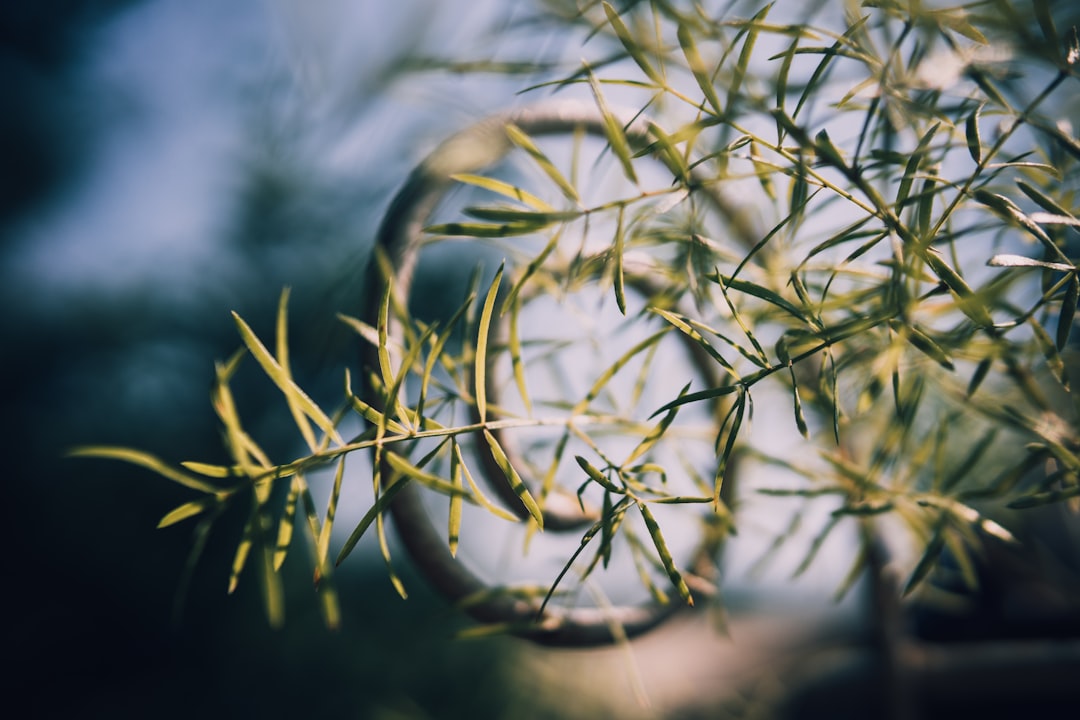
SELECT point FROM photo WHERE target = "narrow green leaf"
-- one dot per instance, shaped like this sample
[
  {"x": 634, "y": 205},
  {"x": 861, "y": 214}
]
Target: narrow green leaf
[
  {"x": 1009, "y": 212},
  {"x": 478, "y": 495},
  {"x": 613, "y": 130},
  {"x": 614, "y": 368},
  {"x": 529, "y": 271},
  {"x": 665, "y": 554},
  {"x": 243, "y": 551},
  {"x": 369, "y": 413},
  {"x": 736, "y": 415},
  {"x": 283, "y": 381},
  {"x": 516, "y": 483},
  {"x": 282, "y": 352},
  {"x": 322, "y": 535},
  {"x": 480, "y": 372},
  {"x": 523, "y": 141},
  {"x": 1068, "y": 311},
  {"x": 1054, "y": 361},
  {"x": 815, "y": 547},
  {"x": 1008, "y": 260},
  {"x": 981, "y": 371},
  {"x": 762, "y": 292},
  {"x": 782, "y": 88},
  {"x": 813, "y": 84},
  {"x": 828, "y": 151},
  {"x": 516, "y": 362},
  {"x": 857, "y": 568},
  {"x": 684, "y": 327},
  {"x": 287, "y": 522},
  {"x": 598, "y": 477},
  {"x": 146, "y": 460},
  {"x": 738, "y": 73},
  {"x": 926, "y": 344},
  {"x": 697, "y": 67},
  {"x": 505, "y": 189},
  {"x": 971, "y": 130},
  {"x": 236, "y": 439},
  {"x": 655, "y": 433},
  {"x": 454, "y": 520},
  {"x": 403, "y": 466},
  {"x": 696, "y": 397},
  {"x": 913, "y": 163},
  {"x": 187, "y": 510},
  {"x": 1044, "y": 498},
  {"x": 800, "y": 417},
  {"x": 1043, "y": 200},
  {"x": 607, "y": 528},
  {"x": 382, "y": 502},
  {"x": 968, "y": 303},
  {"x": 924, "y": 214},
  {"x": 630, "y": 43},
  {"x": 669, "y": 153},
  {"x": 214, "y": 471},
  {"x": 487, "y": 230},
  {"x": 620, "y": 290},
  {"x": 273, "y": 590},
  {"x": 929, "y": 556}
]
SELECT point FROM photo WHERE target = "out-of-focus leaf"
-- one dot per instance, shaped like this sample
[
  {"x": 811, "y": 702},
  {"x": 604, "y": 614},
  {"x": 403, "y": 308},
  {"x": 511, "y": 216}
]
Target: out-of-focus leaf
[
  {"x": 487, "y": 230},
  {"x": 1068, "y": 311},
  {"x": 620, "y": 289},
  {"x": 613, "y": 130},
  {"x": 913, "y": 164},
  {"x": 505, "y": 189},
  {"x": 929, "y": 556},
  {"x": 697, "y": 67},
  {"x": 146, "y": 460},
  {"x": 971, "y": 131},
  {"x": 526, "y": 143},
  {"x": 187, "y": 510},
  {"x": 631, "y": 44},
  {"x": 1008, "y": 260}
]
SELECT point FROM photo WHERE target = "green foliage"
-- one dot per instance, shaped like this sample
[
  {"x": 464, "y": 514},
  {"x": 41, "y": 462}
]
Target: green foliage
[{"x": 876, "y": 217}]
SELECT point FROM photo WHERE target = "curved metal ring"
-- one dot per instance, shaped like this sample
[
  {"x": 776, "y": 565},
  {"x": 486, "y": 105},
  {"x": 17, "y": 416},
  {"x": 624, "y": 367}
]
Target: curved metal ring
[{"x": 399, "y": 238}]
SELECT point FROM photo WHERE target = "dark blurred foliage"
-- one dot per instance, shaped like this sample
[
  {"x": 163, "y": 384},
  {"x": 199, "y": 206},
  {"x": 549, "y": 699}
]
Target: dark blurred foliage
[{"x": 90, "y": 584}]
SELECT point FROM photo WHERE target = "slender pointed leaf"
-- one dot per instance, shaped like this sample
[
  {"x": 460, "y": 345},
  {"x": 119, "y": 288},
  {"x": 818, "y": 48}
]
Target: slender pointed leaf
[
  {"x": 665, "y": 554},
  {"x": 480, "y": 372},
  {"x": 283, "y": 381},
  {"x": 516, "y": 483}
]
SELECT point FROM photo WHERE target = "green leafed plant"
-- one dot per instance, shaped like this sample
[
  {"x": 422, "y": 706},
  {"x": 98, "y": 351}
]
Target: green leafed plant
[{"x": 875, "y": 213}]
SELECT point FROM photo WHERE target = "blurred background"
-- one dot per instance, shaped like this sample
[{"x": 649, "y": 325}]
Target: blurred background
[{"x": 163, "y": 162}]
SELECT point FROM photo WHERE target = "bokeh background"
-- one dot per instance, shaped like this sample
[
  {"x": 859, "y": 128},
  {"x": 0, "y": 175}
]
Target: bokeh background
[{"x": 163, "y": 162}]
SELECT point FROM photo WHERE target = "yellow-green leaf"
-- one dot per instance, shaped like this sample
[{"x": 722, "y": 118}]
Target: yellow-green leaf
[
  {"x": 665, "y": 554},
  {"x": 284, "y": 383},
  {"x": 484, "y": 330},
  {"x": 187, "y": 510},
  {"x": 146, "y": 460},
  {"x": 630, "y": 43},
  {"x": 516, "y": 483},
  {"x": 697, "y": 67}
]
